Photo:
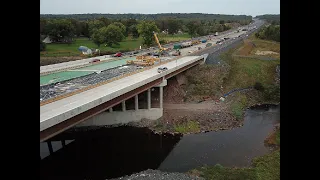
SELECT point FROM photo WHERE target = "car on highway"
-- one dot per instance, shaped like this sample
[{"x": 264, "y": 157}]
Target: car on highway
[
  {"x": 118, "y": 54},
  {"x": 161, "y": 69},
  {"x": 95, "y": 60}
]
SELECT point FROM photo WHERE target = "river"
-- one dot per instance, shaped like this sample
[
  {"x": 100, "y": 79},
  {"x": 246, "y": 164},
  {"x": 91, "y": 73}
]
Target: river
[{"x": 110, "y": 153}]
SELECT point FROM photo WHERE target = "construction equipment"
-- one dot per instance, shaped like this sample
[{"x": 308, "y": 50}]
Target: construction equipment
[
  {"x": 177, "y": 53},
  {"x": 195, "y": 42},
  {"x": 162, "y": 50},
  {"x": 144, "y": 60}
]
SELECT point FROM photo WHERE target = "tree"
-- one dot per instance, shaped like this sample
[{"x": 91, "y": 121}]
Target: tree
[
  {"x": 105, "y": 21},
  {"x": 85, "y": 29},
  {"x": 201, "y": 31},
  {"x": 95, "y": 25},
  {"x": 128, "y": 24},
  {"x": 43, "y": 23},
  {"x": 173, "y": 26},
  {"x": 77, "y": 26},
  {"x": 121, "y": 26},
  {"x": 42, "y": 46},
  {"x": 98, "y": 37},
  {"x": 192, "y": 28},
  {"x": 109, "y": 35},
  {"x": 60, "y": 30},
  {"x": 146, "y": 29},
  {"x": 133, "y": 30},
  {"x": 221, "y": 21},
  {"x": 113, "y": 34}
]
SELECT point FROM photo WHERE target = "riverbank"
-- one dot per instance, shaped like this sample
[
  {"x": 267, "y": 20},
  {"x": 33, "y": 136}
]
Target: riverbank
[
  {"x": 192, "y": 99},
  {"x": 263, "y": 167}
]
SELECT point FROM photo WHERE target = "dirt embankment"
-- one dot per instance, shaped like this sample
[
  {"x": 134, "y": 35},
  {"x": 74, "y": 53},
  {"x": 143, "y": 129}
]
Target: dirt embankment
[
  {"x": 54, "y": 60},
  {"x": 186, "y": 101}
]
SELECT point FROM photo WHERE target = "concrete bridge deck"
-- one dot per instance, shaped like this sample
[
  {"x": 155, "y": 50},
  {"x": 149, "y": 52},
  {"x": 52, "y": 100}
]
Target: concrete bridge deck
[{"x": 59, "y": 111}]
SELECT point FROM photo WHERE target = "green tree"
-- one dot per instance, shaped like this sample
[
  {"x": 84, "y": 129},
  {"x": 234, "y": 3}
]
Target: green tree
[
  {"x": 60, "y": 30},
  {"x": 105, "y": 21},
  {"x": 95, "y": 25},
  {"x": 43, "y": 23},
  {"x": 173, "y": 26},
  {"x": 121, "y": 26},
  {"x": 113, "y": 34},
  {"x": 85, "y": 29},
  {"x": 98, "y": 37},
  {"x": 109, "y": 35},
  {"x": 133, "y": 30},
  {"x": 192, "y": 28},
  {"x": 43, "y": 46},
  {"x": 146, "y": 29}
]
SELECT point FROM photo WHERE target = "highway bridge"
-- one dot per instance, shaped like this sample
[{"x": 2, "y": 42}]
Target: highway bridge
[{"x": 88, "y": 99}]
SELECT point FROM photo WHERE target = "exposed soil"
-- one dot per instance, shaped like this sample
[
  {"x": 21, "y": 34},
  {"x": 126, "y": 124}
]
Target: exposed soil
[
  {"x": 54, "y": 60},
  {"x": 263, "y": 53}
]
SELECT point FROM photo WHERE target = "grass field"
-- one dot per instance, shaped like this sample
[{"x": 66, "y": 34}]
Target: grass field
[
  {"x": 245, "y": 72},
  {"x": 127, "y": 45}
]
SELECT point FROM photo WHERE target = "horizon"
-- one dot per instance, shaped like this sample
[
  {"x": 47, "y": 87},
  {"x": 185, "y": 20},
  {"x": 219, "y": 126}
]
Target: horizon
[{"x": 227, "y": 7}]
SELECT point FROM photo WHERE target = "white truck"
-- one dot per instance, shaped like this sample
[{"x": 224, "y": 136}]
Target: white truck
[{"x": 216, "y": 34}]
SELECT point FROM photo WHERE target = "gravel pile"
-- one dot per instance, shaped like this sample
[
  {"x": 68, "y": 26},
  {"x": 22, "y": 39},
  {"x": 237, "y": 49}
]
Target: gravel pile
[{"x": 157, "y": 175}]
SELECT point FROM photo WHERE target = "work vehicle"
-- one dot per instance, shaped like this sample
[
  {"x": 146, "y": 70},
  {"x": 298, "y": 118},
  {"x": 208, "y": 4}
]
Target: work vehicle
[
  {"x": 118, "y": 54},
  {"x": 95, "y": 60}
]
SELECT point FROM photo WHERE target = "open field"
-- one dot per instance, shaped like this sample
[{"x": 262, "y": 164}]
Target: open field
[{"x": 127, "y": 45}]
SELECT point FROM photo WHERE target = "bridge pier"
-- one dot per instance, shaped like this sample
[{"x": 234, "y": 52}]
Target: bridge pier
[
  {"x": 136, "y": 102},
  {"x": 125, "y": 114},
  {"x": 149, "y": 98},
  {"x": 123, "y": 105}
]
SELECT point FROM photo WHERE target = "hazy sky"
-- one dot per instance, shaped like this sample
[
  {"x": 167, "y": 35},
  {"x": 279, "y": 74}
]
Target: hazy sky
[{"x": 247, "y": 7}]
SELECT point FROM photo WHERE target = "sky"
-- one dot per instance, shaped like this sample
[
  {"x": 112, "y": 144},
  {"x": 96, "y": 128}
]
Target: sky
[{"x": 235, "y": 7}]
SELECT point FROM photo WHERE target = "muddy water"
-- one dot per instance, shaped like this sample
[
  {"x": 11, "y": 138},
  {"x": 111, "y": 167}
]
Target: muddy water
[
  {"x": 110, "y": 153},
  {"x": 229, "y": 148}
]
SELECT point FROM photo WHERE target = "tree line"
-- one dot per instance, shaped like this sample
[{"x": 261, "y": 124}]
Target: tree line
[
  {"x": 271, "y": 18},
  {"x": 112, "y": 31},
  {"x": 182, "y": 16},
  {"x": 270, "y": 32}
]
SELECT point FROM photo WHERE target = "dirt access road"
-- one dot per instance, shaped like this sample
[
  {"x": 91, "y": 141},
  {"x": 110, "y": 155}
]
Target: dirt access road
[{"x": 209, "y": 106}]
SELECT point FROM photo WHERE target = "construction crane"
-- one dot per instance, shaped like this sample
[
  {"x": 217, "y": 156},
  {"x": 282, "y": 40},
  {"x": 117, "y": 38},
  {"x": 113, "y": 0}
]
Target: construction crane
[{"x": 161, "y": 49}]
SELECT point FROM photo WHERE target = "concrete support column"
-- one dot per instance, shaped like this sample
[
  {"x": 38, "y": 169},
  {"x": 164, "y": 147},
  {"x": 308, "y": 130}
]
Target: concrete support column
[
  {"x": 63, "y": 142},
  {"x": 161, "y": 96},
  {"x": 123, "y": 105},
  {"x": 149, "y": 98},
  {"x": 110, "y": 109},
  {"x": 50, "y": 147},
  {"x": 136, "y": 102}
]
